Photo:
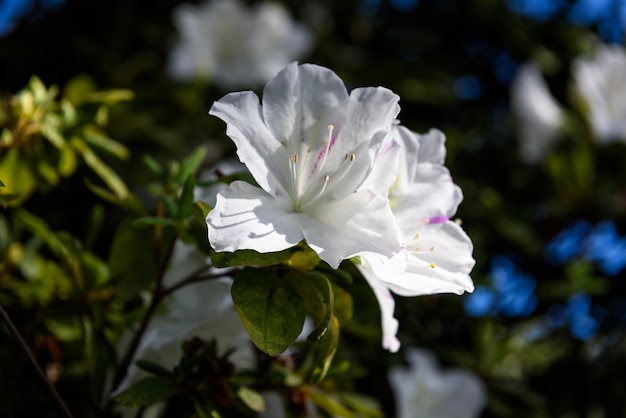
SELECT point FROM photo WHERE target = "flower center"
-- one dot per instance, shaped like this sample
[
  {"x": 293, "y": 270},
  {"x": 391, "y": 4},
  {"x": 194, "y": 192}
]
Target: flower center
[{"x": 310, "y": 176}]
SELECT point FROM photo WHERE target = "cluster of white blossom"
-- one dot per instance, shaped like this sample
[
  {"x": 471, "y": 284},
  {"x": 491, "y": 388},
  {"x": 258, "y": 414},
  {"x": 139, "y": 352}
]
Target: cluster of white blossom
[
  {"x": 337, "y": 170},
  {"x": 599, "y": 86},
  {"x": 232, "y": 45}
]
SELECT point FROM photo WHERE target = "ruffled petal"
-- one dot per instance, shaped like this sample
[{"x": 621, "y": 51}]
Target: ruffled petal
[
  {"x": 386, "y": 303},
  {"x": 449, "y": 250},
  {"x": 257, "y": 148},
  {"x": 362, "y": 222},
  {"x": 432, "y": 194},
  {"x": 246, "y": 217},
  {"x": 300, "y": 102}
]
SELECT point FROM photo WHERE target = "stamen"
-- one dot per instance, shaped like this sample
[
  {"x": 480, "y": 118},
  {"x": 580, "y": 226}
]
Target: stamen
[
  {"x": 343, "y": 170},
  {"x": 433, "y": 265},
  {"x": 318, "y": 194}
]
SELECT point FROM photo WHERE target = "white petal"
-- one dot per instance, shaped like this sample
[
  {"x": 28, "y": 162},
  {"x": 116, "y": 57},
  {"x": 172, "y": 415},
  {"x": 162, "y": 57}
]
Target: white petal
[
  {"x": 385, "y": 168},
  {"x": 539, "y": 116},
  {"x": 359, "y": 223},
  {"x": 430, "y": 194},
  {"x": 423, "y": 391},
  {"x": 246, "y": 217},
  {"x": 257, "y": 147},
  {"x": 452, "y": 257},
  {"x": 370, "y": 116},
  {"x": 385, "y": 302},
  {"x": 600, "y": 82},
  {"x": 301, "y": 101}
]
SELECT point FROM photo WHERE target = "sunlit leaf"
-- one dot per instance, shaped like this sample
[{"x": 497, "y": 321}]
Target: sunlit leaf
[
  {"x": 112, "y": 180},
  {"x": 271, "y": 312},
  {"x": 330, "y": 404},
  {"x": 250, "y": 258},
  {"x": 251, "y": 398},
  {"x": 200, "y": 211},
  {"x": 103, "y": 143}
]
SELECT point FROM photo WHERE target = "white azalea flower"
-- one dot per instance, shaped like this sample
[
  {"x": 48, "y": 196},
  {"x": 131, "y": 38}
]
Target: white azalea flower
[
  {"x": 601, "y": 82},
  {"x": 437, "y": 257},
  {"x": 424, "y": 391},
  {"x": 202, "y": 309},
  {"x": 232, "y": 45},
  {"x": 538, "y": 115},
  {"x": 310, "y": 146}
]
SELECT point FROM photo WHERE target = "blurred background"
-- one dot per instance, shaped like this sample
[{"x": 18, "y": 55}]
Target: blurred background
[{"x": 531, "y": 95}]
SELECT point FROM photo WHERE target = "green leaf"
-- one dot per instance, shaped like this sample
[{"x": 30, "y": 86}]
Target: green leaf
[
  {"x": 323, "y": 351},
  {"x": 153, "y": 368},
  {"x": 132, "y": 267},
  {"x": 304, "y": 260},
  {"x": 250, "y": 258},
  {"x": 18, "y": 177},
  {"x": 112, "y": 180},
  {"x": 270, "y": 311},
  {"x": 152, "y": 164},
  {"x": 364, "y": 405},
  {"x": 200, "y": 210},
  {"x": 147, "y": 391},
  {"x": 316, "y": 293},
  {"x": 191, "y": 164},
  {"x": 251, "y": 398},
  {"x": 41, "y": 229},
  {"x": 103, "y": 143},
  {"x": 343, "y": 304},
  {"x": 67, "y": 161},
  {"x": 186, "y": 197},
  {"x": 330, "y": 404},
  {"x": 153, "y": 221}
]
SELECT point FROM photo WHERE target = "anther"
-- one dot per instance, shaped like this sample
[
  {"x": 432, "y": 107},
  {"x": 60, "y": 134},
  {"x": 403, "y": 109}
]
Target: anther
[
  {"x": 432, "y": 248},
  {"x": 433, "y": 265}
]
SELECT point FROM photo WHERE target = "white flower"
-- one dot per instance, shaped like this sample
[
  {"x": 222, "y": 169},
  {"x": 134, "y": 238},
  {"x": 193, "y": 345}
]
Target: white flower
[
  {"x": 601, "y": 82},
  {"x": 437, "y": 257},
  {"x": 538, "y": 115},
  {"x": 232, "y": 45},
  {"x": 310, "y": 147},
  {"x": 423, "y": 391},
  {"x": 202, "y": 309}
]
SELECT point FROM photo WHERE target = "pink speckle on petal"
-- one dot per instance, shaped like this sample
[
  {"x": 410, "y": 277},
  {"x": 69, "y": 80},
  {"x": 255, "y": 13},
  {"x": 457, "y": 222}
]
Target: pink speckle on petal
[{"x": 438, "y": 219}]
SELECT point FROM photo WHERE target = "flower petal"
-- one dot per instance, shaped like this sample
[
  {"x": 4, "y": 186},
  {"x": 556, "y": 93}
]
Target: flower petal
[
  {"x": 431, "y": 194},
  {"x": 246, "y": 217},
  {"x": 452, "y": 257},
  {"x": 387, "y": 305},
  {"x": 359, "y": 223},
  {"x": 257, "y": 147},
  {"x": 301, "y": 101}
]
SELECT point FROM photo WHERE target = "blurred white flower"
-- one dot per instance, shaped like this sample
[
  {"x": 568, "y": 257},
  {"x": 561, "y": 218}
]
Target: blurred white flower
[
  {"x": 437, "y": 257},
  {"x": 539, "y": 118},
  {"x": 310, "y": 147},
  {"x": 202, "y": 309},
  {"x": 233, "y": 45},
  {"x": 424, "y": 391},
  {"x": 601, "y": 82}
]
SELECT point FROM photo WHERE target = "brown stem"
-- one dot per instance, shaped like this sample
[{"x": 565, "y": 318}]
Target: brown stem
[
  {"x": 16, "y": 334},
  {"x": 157, "y": 297}
]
